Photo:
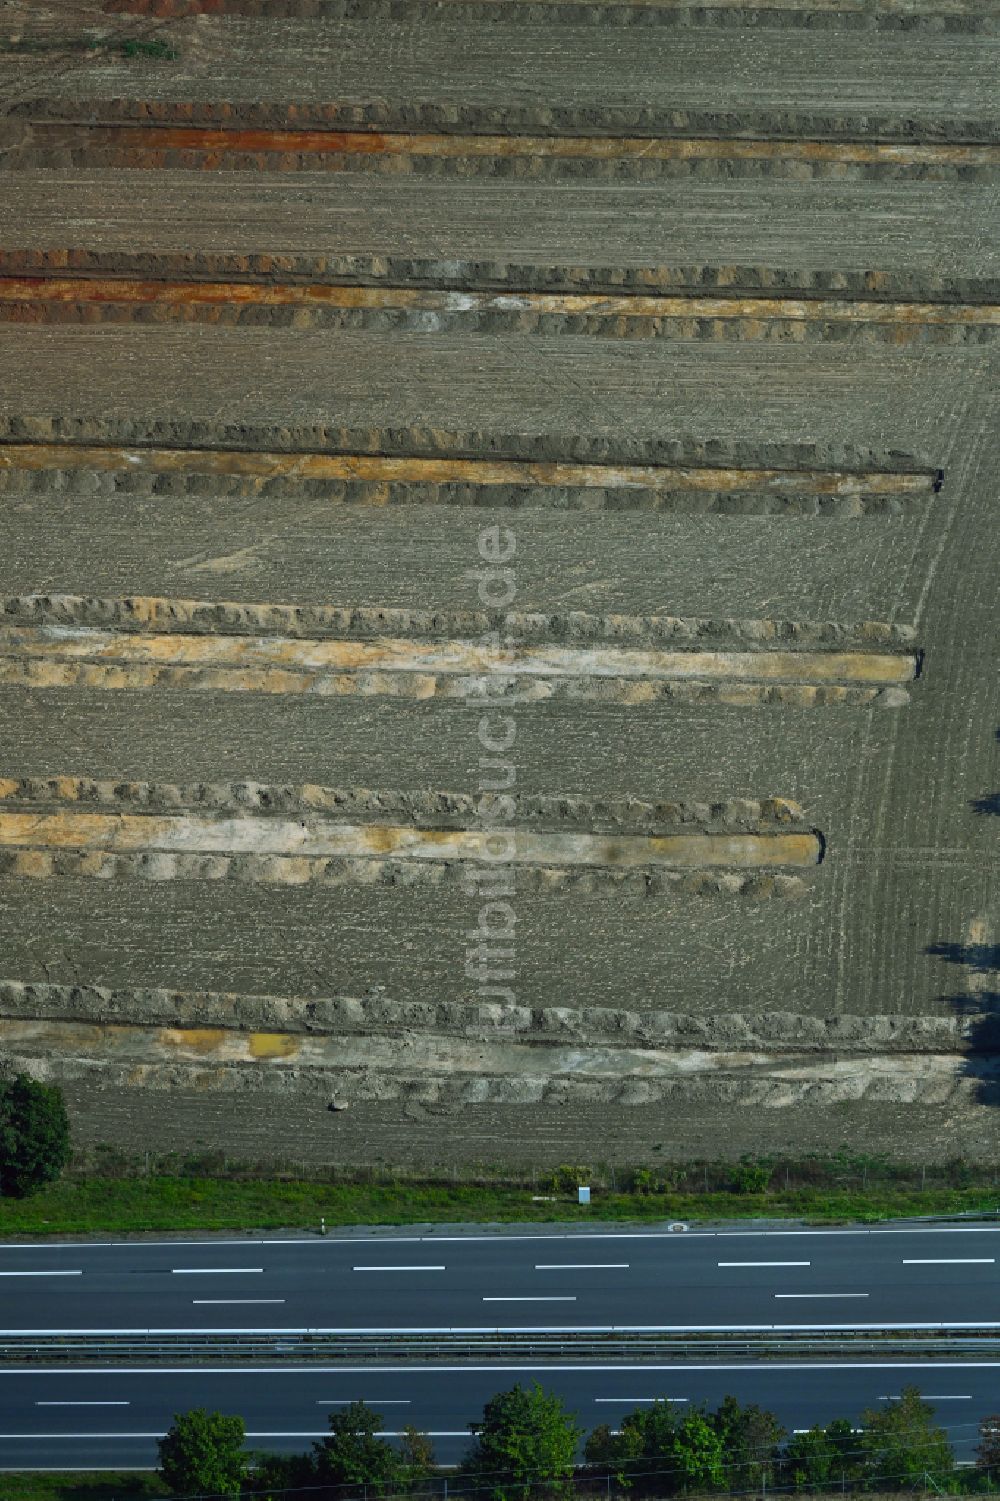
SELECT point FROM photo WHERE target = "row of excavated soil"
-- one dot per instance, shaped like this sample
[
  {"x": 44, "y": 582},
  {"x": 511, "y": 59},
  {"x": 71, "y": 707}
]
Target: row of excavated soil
[
  {"x": 386, "y": 1016},
  {"x": 35, "y": 863},
  {"x": 366, "y": 805},
  {"x": 228, "y": 488},
  {"x": 977, "y": 326},
  {"x": 138, "y": 613},
  {"x": 486, "y": 159}
]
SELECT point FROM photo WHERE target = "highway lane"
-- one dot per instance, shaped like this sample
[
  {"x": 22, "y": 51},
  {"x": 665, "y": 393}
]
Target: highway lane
[
  {"x": 443, "y": 1280},
  {"x": 106, "y": 1418}
]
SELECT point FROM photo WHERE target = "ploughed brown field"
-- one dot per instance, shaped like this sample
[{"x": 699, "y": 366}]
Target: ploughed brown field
[{"x": 498, "y": 595}]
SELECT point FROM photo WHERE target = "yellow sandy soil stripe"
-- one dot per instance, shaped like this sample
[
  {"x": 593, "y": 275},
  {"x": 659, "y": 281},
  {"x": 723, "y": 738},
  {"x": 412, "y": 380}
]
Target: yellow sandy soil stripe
[
  {"x": 87, "y": 290},
  {"x": 61, "y": 643},
  {"x": 430, "y": 1057},
  {"x": 492, "y": 688},
  {"x": 449, "y": 1055},
  {"x": 152, "y": 138},
  {"x": 314, "y": 837},
  {"x": 379, "y": 469}
]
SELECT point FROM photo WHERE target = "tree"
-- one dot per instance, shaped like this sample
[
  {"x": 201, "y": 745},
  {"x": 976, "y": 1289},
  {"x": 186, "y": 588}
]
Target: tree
[
  {"x": 988, "y": 1451},
  {"x": 900, "y": 1444},
  {"x": 811, "y": 1460},
  {"x": 34, "y": 1135},
  {"x": 696, "y": 1457},
  {"x": 526, "y": 1440},
  {"x": 202, "y": 1454},
  {"x": 750, "y": 1438},
  {"x": 353, "y": 1454},
  {"x": 658, "y": 1425},
  {"x": 845, "y": 1441},
  {"x": 416, "y": 1456},
  {"x": 618, "y": 1454},
  {"x": 660, "y": 1452}
]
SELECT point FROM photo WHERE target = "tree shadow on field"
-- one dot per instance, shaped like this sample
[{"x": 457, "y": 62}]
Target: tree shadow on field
[
  {"x": 979, "y": 1006},
  {"x": 990, "y": 804},
  {"x": 978, "y": 958}
]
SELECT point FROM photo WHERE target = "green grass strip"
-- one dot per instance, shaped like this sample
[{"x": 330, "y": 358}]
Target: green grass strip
[{"x": 117, "y": 1205}]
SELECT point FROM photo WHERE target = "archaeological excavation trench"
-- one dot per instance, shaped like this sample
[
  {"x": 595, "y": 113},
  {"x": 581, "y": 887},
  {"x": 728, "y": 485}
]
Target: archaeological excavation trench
[{"x": 498, "y": 594}]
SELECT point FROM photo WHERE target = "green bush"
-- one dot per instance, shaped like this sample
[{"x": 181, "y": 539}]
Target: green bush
[
  {"x": 157, "y": 49},
  {"x": 566, "y": 1178},
  {"x": 34, "y": 1135},
  {"x": 750, "y": 1176}
]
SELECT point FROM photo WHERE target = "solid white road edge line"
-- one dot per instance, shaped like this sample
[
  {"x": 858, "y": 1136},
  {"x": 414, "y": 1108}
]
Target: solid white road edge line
[
  {"x": 398, "y": 1240},
  {"x": 430, "y": 1367},
  {"x": 285, "y": 1331},
  {"x": 322, "y": 1433}
]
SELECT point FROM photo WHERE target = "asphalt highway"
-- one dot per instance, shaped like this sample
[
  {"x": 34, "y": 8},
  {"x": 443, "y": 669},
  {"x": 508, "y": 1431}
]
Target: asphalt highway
[
  {"x": 444, "y": 1280},
  {"x": 106, "y": 1418}
]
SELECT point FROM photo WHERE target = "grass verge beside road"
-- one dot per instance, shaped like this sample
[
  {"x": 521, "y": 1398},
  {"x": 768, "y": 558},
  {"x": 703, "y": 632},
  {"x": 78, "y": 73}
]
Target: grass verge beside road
[
  {"x": 104, "y": 1205},
  {"x": 114, "y": 1485}
]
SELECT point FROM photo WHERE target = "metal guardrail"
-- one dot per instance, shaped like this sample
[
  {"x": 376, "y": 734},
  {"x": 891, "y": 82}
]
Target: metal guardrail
[{"x": 201, "y": 1349}]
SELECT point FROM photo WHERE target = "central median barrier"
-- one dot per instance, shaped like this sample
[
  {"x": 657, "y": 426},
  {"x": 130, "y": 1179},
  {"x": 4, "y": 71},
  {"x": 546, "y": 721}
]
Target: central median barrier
[{"x": 135, "y": 1347}]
